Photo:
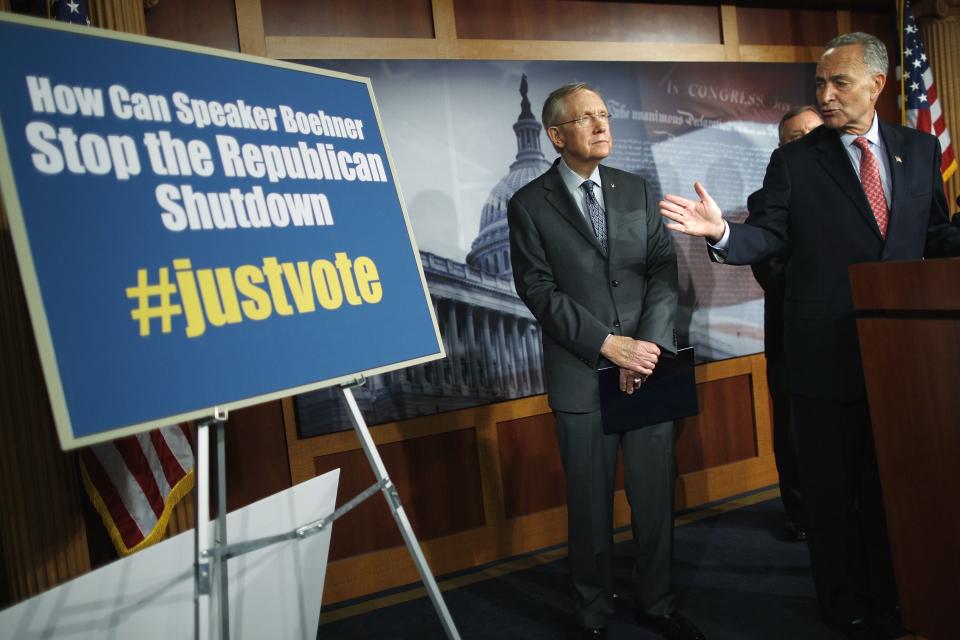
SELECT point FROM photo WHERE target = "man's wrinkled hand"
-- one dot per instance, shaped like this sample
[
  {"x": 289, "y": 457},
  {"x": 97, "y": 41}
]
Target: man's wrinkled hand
[
  {"x": 700, "y": 218},
  {"x": 630, "y": 381},
  {"x": 638, "y": 356}
]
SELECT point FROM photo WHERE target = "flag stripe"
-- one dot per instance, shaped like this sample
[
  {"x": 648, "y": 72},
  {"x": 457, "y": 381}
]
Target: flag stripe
[
  {"x": 138, "y": 466},
  {"x": 170, "y": 468},
  {"x": 180, "y": 441},
  {"x": 106, "y": 490},
  {"x": 131, "y": 494},
  {"x": 935, "y": 113},
  {"x": 154, "y": 465}
]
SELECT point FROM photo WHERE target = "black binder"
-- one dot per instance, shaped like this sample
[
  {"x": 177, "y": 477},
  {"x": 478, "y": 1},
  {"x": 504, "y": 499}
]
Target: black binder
[{"x": 669, "y": 393}]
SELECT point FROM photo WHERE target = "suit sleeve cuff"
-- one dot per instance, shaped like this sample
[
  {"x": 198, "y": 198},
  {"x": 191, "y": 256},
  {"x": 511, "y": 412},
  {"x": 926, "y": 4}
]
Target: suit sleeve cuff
[{"x": 724, "y": 241}]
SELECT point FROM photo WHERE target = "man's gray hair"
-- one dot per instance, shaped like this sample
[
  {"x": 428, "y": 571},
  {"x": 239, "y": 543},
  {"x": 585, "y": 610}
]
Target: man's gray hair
[
  {"x": 793, "y": 113},
  {"x": 874, "y": 51},
  {"x": 554, "y": 107}
]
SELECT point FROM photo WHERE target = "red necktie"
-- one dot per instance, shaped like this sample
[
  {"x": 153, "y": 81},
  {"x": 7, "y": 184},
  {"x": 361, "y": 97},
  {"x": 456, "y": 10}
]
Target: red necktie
[{"x": 872, "y": 187}]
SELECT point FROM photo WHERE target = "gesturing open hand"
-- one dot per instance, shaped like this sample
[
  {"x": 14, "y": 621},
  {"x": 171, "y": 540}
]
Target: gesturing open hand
[{"x": 701, "y": 218}]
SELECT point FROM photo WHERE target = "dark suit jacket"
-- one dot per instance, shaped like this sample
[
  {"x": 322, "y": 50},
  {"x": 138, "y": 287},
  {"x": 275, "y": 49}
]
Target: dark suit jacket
[
  {"x": 771, "y": 276},
  {"x": 813, "y": 202},
  {"x": 579, "y": 295}
]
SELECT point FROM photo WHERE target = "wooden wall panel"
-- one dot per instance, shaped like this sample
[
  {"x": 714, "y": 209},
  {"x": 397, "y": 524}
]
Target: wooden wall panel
[
  {"x": 530, "y": 466},
  {"x": 531, "y": 470},
  {"x": 119, "y": 15},
  {"x": 99, "y": 546},
  {"x": 437, "y": 477},
  {"x": 212, "y": 23},
  {"x": 586, "y": 21},
  {"x": 880, "y": 23},
  {"x": 42, "y": 534},
  {"x": 872, "y": 5},
  {"x": 786, "y": 26},
  {"x": 258, "y": 462},
  {"x": 349, "y": 18},
  {"x": 723, "y": 432}
]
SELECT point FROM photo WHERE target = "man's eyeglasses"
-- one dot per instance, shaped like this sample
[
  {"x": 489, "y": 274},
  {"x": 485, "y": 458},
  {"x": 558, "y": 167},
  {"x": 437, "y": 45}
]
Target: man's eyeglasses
[{"x": 586, "y": 119}]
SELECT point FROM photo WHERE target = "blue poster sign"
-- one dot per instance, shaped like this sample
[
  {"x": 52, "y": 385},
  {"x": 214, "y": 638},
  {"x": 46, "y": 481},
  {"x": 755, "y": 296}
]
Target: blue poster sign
[{"x": 199, "y": 229}]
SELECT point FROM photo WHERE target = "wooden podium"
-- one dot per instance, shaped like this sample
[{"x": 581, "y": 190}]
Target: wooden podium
[{"x": 909, "y": 327}]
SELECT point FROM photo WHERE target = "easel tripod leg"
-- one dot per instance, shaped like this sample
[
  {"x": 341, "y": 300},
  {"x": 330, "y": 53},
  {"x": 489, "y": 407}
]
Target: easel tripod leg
[
  {"x": 396, "y": 508},
  {"x": 211, "y": 612},
  {"x": 201, "y": 597}
]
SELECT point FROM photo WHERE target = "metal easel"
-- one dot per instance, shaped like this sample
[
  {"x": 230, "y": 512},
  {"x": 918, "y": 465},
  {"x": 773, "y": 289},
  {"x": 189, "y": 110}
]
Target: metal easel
[{"x": 211, "y": 610}]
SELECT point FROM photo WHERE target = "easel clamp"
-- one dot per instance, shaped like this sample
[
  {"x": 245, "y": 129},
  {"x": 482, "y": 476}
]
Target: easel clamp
[{"x": 240, "y": 548}]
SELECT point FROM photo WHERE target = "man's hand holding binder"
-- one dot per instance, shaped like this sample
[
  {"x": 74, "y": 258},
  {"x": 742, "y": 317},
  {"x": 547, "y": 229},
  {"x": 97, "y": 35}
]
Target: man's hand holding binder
[{"x": 670, "y": 392}]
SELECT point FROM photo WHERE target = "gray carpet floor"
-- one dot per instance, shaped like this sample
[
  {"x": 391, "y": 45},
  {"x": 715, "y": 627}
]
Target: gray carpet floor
[{"x": 735, "y": 575}]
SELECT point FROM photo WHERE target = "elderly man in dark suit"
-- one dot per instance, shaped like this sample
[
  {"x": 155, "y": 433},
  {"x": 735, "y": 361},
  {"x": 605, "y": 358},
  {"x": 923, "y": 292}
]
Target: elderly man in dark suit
[
  {"x": 854, "y": 190},
  {"x": 594, "y": 264}
]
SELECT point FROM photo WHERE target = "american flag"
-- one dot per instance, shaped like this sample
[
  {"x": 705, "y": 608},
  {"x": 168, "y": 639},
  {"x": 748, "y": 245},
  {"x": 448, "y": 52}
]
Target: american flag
[
  {"x": 134, "y": 483},
  {"x": 923, "y": 110},
  {"x": 72, "y": 11}
]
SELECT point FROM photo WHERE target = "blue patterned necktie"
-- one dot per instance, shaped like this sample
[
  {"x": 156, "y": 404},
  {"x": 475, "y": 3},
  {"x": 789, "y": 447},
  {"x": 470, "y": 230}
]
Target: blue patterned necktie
[{"x": 596, "y": 214}]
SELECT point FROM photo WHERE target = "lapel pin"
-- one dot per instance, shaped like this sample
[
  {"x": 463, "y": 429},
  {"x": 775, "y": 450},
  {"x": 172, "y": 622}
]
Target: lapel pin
[
  {"x": 898, "y": 159},
  {"x": 612, "y": 185}
]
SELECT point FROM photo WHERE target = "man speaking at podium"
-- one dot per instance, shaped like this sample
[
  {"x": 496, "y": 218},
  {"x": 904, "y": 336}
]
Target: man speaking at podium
[
  {"x": 592, "y": 261},
  {"x": 854, "y": 190}
]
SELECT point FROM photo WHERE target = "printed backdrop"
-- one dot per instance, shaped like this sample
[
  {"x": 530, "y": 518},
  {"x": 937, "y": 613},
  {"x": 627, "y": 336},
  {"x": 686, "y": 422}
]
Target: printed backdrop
[{"x": 463, "y": 141}]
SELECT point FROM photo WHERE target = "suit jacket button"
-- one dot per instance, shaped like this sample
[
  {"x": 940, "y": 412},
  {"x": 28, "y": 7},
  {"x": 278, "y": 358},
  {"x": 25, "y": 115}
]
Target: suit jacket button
[
  {"x": 616, "y": 324},
  {"x": 615, "y": 283}
]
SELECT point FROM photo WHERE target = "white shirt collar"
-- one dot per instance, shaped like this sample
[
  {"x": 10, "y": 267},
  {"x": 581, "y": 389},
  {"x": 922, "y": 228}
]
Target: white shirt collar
[
  {"x": 872, "y": 134},
  {"x": 573, "y": 180}
]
